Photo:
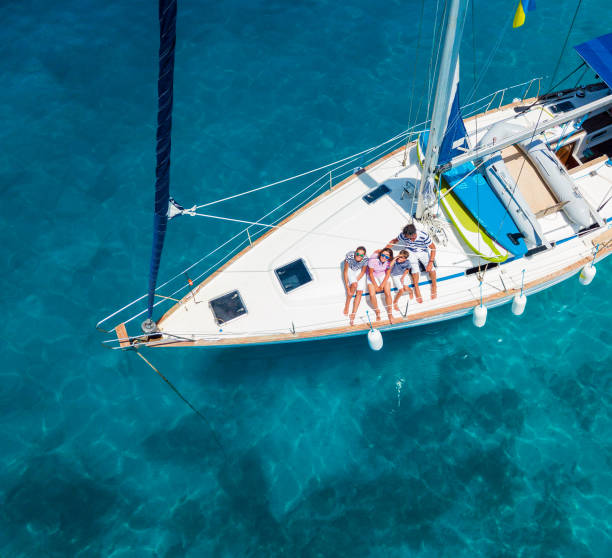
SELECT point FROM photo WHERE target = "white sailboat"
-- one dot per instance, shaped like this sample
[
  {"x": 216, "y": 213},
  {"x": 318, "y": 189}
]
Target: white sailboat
[{"x": 515, "y": 198}]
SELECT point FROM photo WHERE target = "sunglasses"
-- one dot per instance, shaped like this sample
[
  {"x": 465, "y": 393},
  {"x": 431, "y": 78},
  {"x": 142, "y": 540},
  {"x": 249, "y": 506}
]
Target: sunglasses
[
  {"x": 360, "y": 254},
  {"x": 385, "y": 256}
]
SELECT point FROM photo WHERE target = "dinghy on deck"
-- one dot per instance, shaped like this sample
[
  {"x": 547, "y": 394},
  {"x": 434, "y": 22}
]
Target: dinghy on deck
[
  {"x": 506, "y": 189},
  {"x": 557, "y": 179}
]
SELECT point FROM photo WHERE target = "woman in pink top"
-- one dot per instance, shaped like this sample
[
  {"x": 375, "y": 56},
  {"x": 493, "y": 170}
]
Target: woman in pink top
[{"x": 379, "y": 269}]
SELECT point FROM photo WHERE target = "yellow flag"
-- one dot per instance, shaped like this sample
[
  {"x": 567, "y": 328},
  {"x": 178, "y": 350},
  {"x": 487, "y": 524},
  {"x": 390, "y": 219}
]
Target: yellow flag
[
  {"x": 519, "y": 16},
  {"x": 523, "y": 7}
]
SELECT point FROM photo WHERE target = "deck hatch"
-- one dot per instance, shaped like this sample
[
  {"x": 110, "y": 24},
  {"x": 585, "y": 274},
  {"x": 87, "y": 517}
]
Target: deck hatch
[
  {"x": 227, "y": 307},
  {"x": 376, "y": 193},
  {"x": 293, "y": 275},
  {"x": 562, "y": 107}
]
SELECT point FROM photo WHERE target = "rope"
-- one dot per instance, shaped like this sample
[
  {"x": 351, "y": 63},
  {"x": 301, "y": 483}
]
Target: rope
[{"x": 185, "y": 400}]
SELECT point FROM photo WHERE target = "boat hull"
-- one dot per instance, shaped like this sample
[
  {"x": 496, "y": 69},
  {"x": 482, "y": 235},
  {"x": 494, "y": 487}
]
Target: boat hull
[{"x": 603, "y": 240}]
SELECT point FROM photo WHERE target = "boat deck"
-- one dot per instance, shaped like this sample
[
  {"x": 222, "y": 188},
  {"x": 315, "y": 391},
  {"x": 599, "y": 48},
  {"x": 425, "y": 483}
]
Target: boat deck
[
  {"x": 321, "y": 234},
  {"x": 323, "y": 231}
]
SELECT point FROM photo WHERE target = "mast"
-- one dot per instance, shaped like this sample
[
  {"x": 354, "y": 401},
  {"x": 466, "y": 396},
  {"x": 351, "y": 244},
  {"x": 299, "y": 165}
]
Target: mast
[{"x": 442, "y": 100}]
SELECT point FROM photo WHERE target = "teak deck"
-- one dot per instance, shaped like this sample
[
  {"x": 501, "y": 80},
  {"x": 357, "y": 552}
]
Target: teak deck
[{"x": 529, "y": 182}]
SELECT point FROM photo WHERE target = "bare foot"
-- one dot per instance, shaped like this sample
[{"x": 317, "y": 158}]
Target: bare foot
[
  {"x": 396, "y": 307},
  {"x": 352, "y": 319},
  {"x": 390, "y": 318},
  {"x": 419, "y": 299},
  {"x": 377, "y": 315},
  {"x": 434, "y": 293},
  {"x": 410, "y": 294},
  {"x": 345, "y": 311}
]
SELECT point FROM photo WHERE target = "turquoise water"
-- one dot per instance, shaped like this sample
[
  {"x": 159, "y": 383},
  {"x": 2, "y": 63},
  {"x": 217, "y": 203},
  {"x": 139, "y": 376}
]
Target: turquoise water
[{"x": 498, "y": 443}]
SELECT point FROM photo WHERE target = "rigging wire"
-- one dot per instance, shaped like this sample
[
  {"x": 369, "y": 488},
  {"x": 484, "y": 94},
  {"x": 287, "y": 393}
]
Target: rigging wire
[
  {"x": 474, "y": 61},
  {"x": 554, "y": 75},
  {"x": 488, "y": 63},
  {"x": 476, "y": 133},
  {"x": 433, "y": 70},
  {"x": 354, "y": 156},
  {"x": 414, "y": 74}
]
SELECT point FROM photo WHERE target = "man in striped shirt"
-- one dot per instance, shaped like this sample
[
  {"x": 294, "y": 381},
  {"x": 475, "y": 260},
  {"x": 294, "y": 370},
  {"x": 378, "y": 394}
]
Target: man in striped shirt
[{"x": 421, "y": 249}]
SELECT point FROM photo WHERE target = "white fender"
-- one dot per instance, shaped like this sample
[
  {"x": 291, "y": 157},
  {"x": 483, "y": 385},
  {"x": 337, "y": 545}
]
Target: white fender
[
  {"x": 518, "y": 304},
  {"x": 480, "y": 316},
  {"x": 375, "y": 339},
  {"x": 587, "y": 274}
]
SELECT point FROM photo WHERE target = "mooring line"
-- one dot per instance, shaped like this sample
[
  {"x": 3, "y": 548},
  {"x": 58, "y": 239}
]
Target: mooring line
[{"x": 186, "y": 401}]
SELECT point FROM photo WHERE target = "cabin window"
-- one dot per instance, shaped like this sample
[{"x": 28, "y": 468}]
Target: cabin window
[
  {"x": 293, "y": 275},
  {"x": 227, "y": 307}
]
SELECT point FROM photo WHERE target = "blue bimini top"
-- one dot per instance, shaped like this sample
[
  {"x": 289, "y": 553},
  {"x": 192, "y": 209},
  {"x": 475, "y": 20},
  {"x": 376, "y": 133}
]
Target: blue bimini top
[{"x": 597, "y": 53}]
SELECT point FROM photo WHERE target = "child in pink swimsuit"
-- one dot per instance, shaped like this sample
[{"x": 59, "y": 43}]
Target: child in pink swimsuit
[{"x": 379, "y": 269}]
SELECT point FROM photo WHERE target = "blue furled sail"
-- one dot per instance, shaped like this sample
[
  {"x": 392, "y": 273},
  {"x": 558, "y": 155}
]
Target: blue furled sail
[
  {"x": 455, "y": 136},
  {"x": 597, "y": 53},
  {"x": 167, "y": 41}
]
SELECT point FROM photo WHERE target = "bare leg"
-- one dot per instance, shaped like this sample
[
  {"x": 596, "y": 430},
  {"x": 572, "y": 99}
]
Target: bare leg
[
  {"x": 400, "y": 292},
  {"x": 355, "y": 306},
  {"x": 349, "y": 295},
  {"x": 387, "y": 291},
  {"x": 373, "y": 300},
  {"x": 434, "y": 287},
  {"x": 417, "y": 291}
]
